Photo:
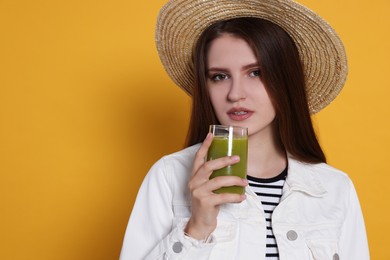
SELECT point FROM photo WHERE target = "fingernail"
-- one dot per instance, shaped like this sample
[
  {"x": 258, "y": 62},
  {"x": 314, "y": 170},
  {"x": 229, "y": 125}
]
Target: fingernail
[
  {"x": 245, "y": 181},
  {"x": 235, "y": 158}
]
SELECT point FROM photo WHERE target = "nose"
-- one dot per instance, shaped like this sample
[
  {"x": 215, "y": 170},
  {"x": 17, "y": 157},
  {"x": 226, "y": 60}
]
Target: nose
[{"x": 237, "y": 91}]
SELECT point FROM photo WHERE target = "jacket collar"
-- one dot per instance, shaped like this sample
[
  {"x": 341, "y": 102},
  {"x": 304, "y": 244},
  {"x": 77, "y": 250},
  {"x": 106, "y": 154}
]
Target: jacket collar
[{"x": 303, "y": 177}]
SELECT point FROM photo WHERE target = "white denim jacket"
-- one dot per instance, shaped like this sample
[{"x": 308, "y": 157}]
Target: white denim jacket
[{"x": 319, "y": 217}]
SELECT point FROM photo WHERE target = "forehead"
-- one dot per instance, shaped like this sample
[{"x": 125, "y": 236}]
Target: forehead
[{"x": 228, "y": 49}]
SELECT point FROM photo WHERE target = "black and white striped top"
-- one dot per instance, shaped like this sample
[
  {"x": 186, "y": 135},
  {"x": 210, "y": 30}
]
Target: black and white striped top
[{"x": 269, "y": 192}]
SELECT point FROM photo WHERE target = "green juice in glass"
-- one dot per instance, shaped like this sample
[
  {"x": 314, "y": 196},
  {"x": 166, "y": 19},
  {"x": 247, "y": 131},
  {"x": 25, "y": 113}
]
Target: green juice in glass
[{"x": 222, "y": 146}]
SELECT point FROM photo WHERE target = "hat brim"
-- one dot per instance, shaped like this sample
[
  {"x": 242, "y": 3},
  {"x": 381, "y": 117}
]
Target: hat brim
[{"x": 181, "y": 22}]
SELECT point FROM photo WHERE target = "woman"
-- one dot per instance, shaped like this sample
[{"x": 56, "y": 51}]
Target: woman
[{"x": 264, "y": 65}]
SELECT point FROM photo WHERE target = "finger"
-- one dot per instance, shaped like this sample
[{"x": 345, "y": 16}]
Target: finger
[
  {"x": 225, "y": 181},
  {"x": 201, "y": 153},
  {"x": 203, "y": 174},
  {"x": 207, "y": 168},
  {"x": 203, "y": 189},
  {"x": 223, "y": 198},
  {"x": 210, "y": 185}
]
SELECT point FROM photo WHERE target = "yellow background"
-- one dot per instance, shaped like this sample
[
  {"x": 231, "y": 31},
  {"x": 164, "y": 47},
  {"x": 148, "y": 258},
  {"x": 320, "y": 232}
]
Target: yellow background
[{"x": 86, "y": 108}]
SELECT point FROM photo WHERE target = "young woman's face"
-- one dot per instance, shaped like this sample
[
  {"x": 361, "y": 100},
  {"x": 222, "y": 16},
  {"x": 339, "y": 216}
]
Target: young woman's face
[{"x": 234, "y": 83}]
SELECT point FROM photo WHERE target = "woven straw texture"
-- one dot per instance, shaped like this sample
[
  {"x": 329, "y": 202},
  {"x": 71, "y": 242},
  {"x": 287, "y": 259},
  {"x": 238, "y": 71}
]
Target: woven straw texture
[{"x": 181, "y": 22}]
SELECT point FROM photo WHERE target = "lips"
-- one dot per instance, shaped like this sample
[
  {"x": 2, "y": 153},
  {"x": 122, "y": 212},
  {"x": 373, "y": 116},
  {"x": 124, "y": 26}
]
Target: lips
[{"x": 239, "y": 113}]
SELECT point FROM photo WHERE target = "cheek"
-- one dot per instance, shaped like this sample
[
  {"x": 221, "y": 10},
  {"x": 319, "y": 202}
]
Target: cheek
[
  {"x": 269, "y": 108},
  {"x": 263, "y": 95},
  {"x": 216, "y": 96}
]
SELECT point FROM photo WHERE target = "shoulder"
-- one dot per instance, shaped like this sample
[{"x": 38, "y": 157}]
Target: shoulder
[
  {"x": 319, "y": 178},
  {"x": 182, "y": 158},
  {"x": 322, "y": 171},
  {"x": 331, "y": 176},
  {"x": 174, "y": 169}
]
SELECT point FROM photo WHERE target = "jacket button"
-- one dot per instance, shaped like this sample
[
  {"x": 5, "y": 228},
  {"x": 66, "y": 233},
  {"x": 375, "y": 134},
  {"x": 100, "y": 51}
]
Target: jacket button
[
  {"x": 292, "y": 235},
  {"x": 177, "y": 247},
  {"x": 336, "y": 257}
]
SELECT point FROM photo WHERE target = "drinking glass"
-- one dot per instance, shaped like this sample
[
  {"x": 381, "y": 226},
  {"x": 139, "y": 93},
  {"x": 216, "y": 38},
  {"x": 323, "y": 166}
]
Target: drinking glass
[{"x": 228, "y": 141}]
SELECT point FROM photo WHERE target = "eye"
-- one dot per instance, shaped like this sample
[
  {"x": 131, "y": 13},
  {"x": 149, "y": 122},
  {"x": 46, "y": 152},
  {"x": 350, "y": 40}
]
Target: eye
[
  {"x": 255, "y": 73},
  {"x": 218, "y": 77}
]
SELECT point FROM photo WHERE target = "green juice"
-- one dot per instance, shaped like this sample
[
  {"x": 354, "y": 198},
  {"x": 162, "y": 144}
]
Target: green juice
[{"x": 220, "y": 148}]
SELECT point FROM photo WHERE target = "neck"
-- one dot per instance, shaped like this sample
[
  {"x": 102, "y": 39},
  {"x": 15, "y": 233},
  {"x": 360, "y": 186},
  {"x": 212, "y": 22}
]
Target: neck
[{"x": 266, "y": 156}]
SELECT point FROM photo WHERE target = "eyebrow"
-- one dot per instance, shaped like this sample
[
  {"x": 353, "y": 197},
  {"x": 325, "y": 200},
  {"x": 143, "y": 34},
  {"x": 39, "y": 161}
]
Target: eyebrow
[{"x": 246, "y": 67}]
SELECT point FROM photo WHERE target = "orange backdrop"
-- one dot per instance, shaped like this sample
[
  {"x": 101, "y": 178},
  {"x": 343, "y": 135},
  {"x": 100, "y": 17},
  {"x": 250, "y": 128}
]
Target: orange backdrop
[{"x": 86, "y": 108}]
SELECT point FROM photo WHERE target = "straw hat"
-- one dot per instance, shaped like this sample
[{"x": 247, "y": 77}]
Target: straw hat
[{"x": 181, "y": 22}]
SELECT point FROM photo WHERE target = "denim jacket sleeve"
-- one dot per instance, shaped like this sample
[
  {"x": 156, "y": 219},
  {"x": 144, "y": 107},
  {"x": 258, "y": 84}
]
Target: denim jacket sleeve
[
  {"x": 353, "y": 240},
  {"x": 153, "y": 232}
]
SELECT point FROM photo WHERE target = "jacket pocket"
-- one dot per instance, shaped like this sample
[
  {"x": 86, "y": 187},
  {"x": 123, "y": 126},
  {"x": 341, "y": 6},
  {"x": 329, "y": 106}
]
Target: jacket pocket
[{"x": 322, "y": 249}]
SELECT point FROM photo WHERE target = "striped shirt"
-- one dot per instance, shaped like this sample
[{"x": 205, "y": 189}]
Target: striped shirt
[{"x": 269, "y": 192}]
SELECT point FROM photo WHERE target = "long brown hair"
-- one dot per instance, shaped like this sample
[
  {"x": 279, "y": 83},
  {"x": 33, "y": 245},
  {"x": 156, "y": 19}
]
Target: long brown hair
[{"x": 282, "y": 75}]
